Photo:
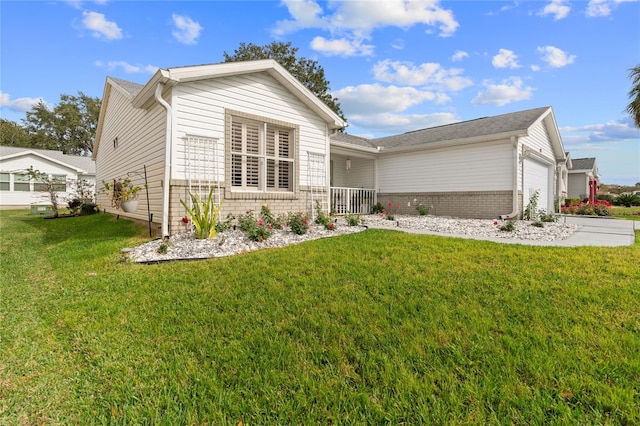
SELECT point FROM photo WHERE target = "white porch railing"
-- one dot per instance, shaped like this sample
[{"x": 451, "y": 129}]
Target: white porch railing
[{"x": 352, "y": 200}]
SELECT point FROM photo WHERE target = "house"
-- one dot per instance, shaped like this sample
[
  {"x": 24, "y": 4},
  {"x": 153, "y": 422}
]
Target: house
[
  {"x": 584, "y": 179},
  {"x": 250, "y": 130},
  {"x": 484, "y": 168},
  {"x": 17, "y": 190}
]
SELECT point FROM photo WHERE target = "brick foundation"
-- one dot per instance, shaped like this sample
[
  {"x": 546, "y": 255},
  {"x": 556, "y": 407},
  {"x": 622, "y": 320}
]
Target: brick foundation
[{"x": 467, "y": 205}]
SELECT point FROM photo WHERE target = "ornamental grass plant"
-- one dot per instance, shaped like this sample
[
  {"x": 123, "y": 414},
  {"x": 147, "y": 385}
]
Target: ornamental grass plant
[{"x": 414, "y": 329}]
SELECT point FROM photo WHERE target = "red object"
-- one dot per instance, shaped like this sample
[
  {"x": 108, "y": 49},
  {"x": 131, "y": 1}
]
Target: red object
[{"x": 185, "y": 220}]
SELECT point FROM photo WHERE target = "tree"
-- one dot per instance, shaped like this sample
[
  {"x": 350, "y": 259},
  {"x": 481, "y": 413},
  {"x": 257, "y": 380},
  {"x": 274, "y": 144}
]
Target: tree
[
  {"x": 634, "y": 94},
  {"x": 13, "y": 134},
  {"x": 50, "y": 185},
  {"x": 69, "y": 127},
  {"x": 307, "y": 71}
]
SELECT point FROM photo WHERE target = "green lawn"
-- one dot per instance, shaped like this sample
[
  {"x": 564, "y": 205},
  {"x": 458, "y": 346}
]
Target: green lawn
[
  {"x": 632, "y": 213},
  {"x": 378, "y": 327}
]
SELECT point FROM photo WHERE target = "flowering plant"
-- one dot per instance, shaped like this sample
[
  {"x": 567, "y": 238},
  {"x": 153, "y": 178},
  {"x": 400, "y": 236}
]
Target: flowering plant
[
  {"x": 391, "y": 211},
  {"x": 324, "y": 219},
  {"x": 254, "y": 229},
  {"x": 298, "y": 222},
  {"x": 204, "y": 214},
  {"x": 598, "y": 208}
]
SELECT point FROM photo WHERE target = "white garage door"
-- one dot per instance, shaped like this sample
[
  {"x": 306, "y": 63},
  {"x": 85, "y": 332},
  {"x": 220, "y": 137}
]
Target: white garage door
[{"x": 536, "y": 177}]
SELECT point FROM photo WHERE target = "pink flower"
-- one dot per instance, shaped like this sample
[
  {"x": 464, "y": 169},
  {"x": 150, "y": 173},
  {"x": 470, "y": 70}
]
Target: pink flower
[
  {"x": 260, "y": 223},
  {"x": 495, "y": 222},
  {"x": 390, "y": 204},
  {"x": 332, "y": 225},
  {"x": 330, "y": 214},
  {"x": 304, "y": 221},
  {"x": 185, "y": 220}
]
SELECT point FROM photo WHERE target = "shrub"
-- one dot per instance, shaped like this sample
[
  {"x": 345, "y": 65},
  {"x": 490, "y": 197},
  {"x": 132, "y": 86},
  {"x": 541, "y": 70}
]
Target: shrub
[
  {"x": 255, "y": 230},
  {"x": 627, "y": 200},
  {"x": 298, "y": 222},
  {"x": 226, "y": 225},
  {"x": 390, "y": 211},
  {"x": 74, "y": 205},
  {"x": 599, "y": 208},
  {"x": 422, "y": 210},
  {"x": 510, "y": 226},
  {"x": 276, "y": 222},
  {"x": 571, "y": 202},
  {"x": 324, "y": 219},
  {"x": 377, "y": 208},
  {"x": 548, "y": 217},
  {"x": 88, "y": 207},
  {"x": 538, "y": 224},
  {"x": 352, "y": 219},
  {"x": 607, "y": 197},
  {"x": 531, "y": 211}
]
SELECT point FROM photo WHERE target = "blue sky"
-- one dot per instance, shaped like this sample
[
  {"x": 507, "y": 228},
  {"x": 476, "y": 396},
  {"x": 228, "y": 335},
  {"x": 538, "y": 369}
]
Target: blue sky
[{"x": 395, "y": 65}]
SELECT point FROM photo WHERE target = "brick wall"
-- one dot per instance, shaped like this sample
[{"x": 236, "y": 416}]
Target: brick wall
[
  {"x": 278, "y": 204},
  {"x": 468, "y": 205}
]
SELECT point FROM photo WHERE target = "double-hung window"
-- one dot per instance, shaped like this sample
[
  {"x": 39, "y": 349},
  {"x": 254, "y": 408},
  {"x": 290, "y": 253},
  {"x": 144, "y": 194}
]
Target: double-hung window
[
  {"x": 262, "y": 156},
  {"x": 5, "y": 184},
  {"x": 21, "y": 182}
]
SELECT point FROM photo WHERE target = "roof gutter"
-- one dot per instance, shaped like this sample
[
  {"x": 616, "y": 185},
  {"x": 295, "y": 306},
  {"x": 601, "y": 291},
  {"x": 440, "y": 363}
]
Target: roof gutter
[
  {"x": 167, "y": 162},
  {"x": 514, "y": 210}
]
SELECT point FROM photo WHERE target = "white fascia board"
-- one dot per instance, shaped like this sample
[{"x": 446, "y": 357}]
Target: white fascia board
[
  {"x": 459, "y": 142},
  {"x": 352, "y": 147},
  {"x": 174, "y": 76}
]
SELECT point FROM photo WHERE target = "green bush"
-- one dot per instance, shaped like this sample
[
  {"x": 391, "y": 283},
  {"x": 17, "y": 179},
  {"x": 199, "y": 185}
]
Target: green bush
[
  {"x": 572, "y": 201},
  {"x": 88, "y": 207},
  {"x": 255, "y": 230},
  {"x": 352, "y": 219},
  {"x": 607, "y": 197},
  {"x": 422, "y": 210},
  {"x": 377, "y": 208},
  {"x": 627, "y": 200},
  {"x": 298, "y": 222}
]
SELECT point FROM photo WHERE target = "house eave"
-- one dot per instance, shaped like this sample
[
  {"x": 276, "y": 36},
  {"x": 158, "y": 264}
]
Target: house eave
[
  {"x": 173, "y": 76},
  {"x": 352, "y": 147},
  {"x": 506, "y": 136},
  {"x": 44, "y": 157}
]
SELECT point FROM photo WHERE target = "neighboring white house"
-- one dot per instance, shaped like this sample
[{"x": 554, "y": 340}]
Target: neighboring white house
[
  {"x": 18, "y": 191},
  {"x": 248, "y": 129},
  {"x": 482, "y": 168},
  {"x": 584, "y": 179}
]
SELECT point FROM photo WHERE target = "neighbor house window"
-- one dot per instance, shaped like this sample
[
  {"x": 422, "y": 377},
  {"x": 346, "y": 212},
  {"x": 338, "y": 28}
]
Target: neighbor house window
[
  {"x": 59, "y": 183},
  {"x": 262, "y": 156},
  {"x": 4, "y": 182},
  {"x": 21, "y": 182}
]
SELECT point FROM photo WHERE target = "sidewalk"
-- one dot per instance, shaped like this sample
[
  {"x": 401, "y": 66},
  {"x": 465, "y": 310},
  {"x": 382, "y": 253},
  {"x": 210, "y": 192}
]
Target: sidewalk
[{"x": 592, "y": 231}]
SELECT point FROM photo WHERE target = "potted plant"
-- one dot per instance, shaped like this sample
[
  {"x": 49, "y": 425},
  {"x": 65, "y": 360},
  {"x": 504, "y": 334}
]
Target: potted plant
[{"x": 123, "y": 194}]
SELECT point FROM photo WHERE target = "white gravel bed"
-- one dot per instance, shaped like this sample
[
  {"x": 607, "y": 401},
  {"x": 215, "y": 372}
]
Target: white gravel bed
[{"x": 186, "y": 246}]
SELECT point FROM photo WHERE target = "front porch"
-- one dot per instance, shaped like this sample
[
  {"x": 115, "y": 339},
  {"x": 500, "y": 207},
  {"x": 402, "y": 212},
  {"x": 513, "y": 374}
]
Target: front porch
[{"x": 352, "y": 200}]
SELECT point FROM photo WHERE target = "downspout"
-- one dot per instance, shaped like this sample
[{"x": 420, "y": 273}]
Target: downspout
[
  {"x": 167, "y": 163},
  {"x": 514, "y": 209}
]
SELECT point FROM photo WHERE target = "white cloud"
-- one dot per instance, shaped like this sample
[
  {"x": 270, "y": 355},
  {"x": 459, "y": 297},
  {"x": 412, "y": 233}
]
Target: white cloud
[
  {"x": 375, "y": 98},
  {"x": 555, "y": 57},
  {"x": 187, "y": 30},
  {"x": 101, "y": 28},
  {"x": 126, "y": 67},
  {"x": 341, "y": 47},
  {"x": 20, "y": 104},
  {"x": 597, "y": 8},
  {"x": 558, "y": 8},
  {"x": 427, "y": 74},
  {"x": 507, "y": 91},
  {"x": 505, "y": 59},
  {"x": 399, "y": 123},
  {"x": 459, "y": 55},
  {"x": 535, "y": 68},
  {"x": 355, "y": 20},
  {"x": 620, "y": 130}
]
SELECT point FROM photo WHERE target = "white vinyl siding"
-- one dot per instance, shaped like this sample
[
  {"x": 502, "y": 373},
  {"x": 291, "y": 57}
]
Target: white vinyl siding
[
  {"x": 487, "y": 167},
  {"x": 538, "y": 140},
  {"x": 200, "y": 108},
  {"x": 141, "y": 142}
]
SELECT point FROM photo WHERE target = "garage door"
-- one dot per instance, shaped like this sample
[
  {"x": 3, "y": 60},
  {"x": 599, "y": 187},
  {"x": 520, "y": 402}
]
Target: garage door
[{"x": 536, "y": 177}]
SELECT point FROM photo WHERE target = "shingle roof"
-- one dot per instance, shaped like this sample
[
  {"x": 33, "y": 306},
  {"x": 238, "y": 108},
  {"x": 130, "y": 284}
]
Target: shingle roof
[
  {"x": 505, "y": 123},
  {"x": 351, "y": 139},
  {"x": 582, "y": 163},
  {"x": 129, "y": 86},
  {"x": 84, "y": 163}
]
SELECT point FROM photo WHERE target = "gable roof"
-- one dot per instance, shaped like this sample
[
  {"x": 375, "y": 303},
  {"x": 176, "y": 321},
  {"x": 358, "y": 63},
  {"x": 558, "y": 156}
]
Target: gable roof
[
  {"x": 481, "y": 129},
  {"x": 80, "y": 164},
  {"x": 505, "y": 125},
  {"x": 173, "y": 76},
  {"x": 583, "y": 164}
]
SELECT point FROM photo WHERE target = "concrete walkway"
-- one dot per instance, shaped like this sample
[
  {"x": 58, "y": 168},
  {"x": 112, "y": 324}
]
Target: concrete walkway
[{"x": 592, "y": 231}]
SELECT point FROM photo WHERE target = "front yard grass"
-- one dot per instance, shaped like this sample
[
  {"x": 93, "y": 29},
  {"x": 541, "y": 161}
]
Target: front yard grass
[
  {"x": 378, "y": 327},
  {"x": 632, "y": 213}
]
